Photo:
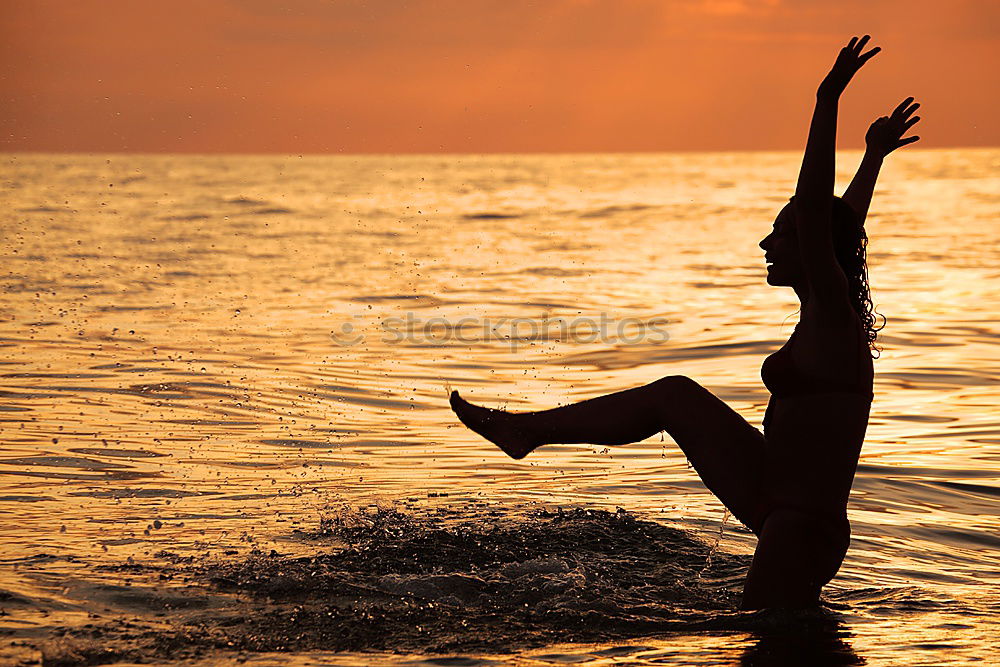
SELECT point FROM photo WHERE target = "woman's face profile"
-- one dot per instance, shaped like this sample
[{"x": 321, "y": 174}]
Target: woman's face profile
[{"x": 781, "y": 250}]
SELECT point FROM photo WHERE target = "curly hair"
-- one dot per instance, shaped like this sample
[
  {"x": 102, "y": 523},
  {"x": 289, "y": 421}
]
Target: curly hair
[{"x": 850, "y": 246}]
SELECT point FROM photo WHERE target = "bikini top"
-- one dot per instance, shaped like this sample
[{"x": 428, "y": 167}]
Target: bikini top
[{"x": 783, "y": 378}]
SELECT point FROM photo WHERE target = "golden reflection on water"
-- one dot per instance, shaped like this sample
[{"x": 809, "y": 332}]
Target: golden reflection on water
[{"x": 204, "y": 353}]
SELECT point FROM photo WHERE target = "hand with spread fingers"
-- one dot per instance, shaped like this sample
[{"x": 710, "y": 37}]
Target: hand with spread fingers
[
  {"x": 849, "y": 61},
  {"x": 886, "y": 134}
]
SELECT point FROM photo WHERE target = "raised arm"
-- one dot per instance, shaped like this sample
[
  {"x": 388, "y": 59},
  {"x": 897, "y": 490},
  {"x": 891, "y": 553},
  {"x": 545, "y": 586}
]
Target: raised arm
[
  {"x": 814, "y": 191},
  {"x": 883, "y": 137}
]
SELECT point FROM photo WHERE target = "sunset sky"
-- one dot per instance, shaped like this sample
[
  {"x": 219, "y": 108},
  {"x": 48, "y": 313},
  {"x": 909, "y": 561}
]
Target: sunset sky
[{"x": 385, "y": 76}]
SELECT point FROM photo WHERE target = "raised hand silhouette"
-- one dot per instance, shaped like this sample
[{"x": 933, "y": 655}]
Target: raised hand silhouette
[
  {"x": 849, "y": 61},
  {"x": 886, "y": 134}
]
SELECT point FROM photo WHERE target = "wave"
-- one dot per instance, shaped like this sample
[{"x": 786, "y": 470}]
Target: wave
[
  {"x": 274, "y": 210},
  {"x": 245, "y": 201},
  {"x": 489, "y": 215},
  {"x": 45, "y": 209},
  {"x": 190, "y": 217},
  {"x": 612, "y": 210}
]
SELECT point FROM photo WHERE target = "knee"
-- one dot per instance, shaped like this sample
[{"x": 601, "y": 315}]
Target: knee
[
  {"x": 796, "y": 556},
  {"x": 808, "y": 526},
  {"x": 790, "y": 533},
  {"x": 788, "y": 520},
  {"x": 674, "y": 383}
]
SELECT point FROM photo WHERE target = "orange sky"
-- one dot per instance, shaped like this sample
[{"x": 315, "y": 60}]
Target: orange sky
[{"x": 320, "y": 76}]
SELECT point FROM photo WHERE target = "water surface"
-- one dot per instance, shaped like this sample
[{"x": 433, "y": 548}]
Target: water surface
[{"x": 224, "y": 432}]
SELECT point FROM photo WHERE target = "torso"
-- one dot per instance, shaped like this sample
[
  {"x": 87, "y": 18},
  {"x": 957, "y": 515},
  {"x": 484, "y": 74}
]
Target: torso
[{"x": 821, "y": 384}]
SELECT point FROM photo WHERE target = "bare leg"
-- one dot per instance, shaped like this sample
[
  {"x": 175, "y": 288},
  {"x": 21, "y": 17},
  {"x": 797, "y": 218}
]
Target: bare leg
[{"x": 727, "y": 452}]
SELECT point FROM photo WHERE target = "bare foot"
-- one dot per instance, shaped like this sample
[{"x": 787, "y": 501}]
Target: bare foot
[{"x": 497, "y": 426}]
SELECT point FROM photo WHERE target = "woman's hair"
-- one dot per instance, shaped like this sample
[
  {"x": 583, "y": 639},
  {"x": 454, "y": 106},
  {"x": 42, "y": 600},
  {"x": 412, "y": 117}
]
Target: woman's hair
[{"x": 850, "y": 243}]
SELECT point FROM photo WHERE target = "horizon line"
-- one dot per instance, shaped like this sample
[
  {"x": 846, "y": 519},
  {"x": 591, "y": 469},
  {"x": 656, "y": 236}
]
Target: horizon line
[{"x": 451, "y": 153}]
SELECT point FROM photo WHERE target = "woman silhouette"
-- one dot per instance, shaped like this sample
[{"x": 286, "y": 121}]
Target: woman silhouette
[{"x": 789, "y": 484}]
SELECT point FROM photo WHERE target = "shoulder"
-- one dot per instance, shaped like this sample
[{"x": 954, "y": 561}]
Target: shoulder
[
  {"x": 831, "y": 325},
  {"x": 829, "y": 309}
]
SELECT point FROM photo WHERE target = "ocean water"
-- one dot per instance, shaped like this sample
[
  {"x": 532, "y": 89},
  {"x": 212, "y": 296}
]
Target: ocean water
[{"x": 225, "y": 438}]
